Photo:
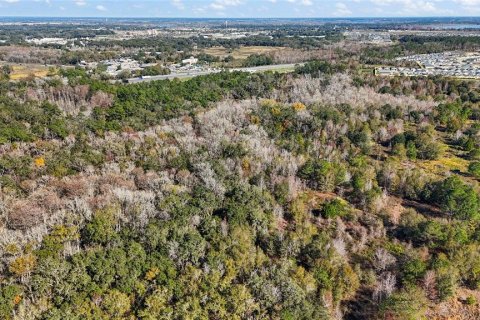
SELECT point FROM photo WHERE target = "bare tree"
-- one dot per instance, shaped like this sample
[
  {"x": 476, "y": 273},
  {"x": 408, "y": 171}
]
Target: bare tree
[
  {"x": 383, "y": 260},
  {"x": 384, "y": 287}
]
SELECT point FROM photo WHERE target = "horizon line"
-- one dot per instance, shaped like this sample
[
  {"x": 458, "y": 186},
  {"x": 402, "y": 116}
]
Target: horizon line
[{"x": 237, "y": 18}]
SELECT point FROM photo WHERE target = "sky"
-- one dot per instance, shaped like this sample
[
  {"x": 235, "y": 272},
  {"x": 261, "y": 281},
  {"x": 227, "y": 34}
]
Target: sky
[{"x": 239, "y": 8}]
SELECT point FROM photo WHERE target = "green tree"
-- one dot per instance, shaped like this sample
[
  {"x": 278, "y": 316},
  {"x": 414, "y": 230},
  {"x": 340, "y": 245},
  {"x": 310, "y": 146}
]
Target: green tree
[
  {"x": 456, "y": 198},
  {"x": 411, "y": 150},
  {"x": 407, "y": 304},
  {"x": 116, "y": 304},
  {"x": 335, "y": 208},
  {"x": 413, "y": 269},
  {"x": 474, "y": 169},
  {"x": 101, "y": 229}
]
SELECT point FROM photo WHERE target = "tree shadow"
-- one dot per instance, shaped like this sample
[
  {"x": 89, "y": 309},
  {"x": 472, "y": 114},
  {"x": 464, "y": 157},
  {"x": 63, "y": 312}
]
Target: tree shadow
[{"x": 423, "y": 208}]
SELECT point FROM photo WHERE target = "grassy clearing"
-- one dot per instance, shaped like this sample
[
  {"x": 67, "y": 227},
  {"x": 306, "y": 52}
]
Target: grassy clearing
[
  {"x": 283, "y": 69},
  {"x": 240, "y": 53},
  {"x": 447, "y": 163},
  {"x": 20, "y": 72}
]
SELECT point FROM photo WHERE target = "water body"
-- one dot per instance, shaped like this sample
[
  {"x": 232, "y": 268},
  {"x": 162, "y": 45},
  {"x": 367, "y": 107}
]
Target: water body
[{"x": 458, "y": 27}]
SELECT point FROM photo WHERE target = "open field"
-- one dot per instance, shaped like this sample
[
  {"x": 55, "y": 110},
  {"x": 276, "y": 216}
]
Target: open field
[
  {"x": 280, "y": 68},
  {"x": 444, "y": 164},
  {"x": 20, "y": 72},
  {"x": 286, "y": 68},
  {"x": 240, "y": 53}
]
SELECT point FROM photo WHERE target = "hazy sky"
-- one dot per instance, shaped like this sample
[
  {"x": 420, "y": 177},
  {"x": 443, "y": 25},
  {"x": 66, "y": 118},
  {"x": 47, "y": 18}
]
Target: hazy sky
[{"x": 240, "y": 8}]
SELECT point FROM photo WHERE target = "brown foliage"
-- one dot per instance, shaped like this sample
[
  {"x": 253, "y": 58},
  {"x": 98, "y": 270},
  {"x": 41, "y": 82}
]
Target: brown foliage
[
  {"x": 24, "y": 54},
  {"x": 111, "y": 181},
  {"x": 48, "y": 199},
  {"x": 71, "y": 188},
  {"x": 71, "y": 100},
  {"x": 24, "y": 214},
  {"x": 101, "y": 99}
]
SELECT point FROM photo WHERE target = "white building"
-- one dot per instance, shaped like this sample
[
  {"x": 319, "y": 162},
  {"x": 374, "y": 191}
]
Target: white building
[
  {"x": 42, "y": 41},
  {"x": 190, "y": 60}
]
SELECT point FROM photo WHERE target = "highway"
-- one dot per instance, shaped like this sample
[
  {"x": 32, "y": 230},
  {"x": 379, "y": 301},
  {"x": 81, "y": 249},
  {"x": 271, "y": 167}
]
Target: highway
[{"x": 183, "y": 75}]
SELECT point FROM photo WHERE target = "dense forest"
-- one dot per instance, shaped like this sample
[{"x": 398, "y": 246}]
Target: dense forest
[{"x": 325, "y": 193}]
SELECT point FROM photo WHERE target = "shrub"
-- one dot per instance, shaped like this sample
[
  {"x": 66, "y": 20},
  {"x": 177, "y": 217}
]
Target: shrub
[
  {"x": 412, "y": 270},
  {"x": 471, "y": 300},
  {"x": 335, "y": 208},
  {"x": 407, "y": 304},
  {"x": 257, "y": 60},
  {"x": 474, "y": 169}
]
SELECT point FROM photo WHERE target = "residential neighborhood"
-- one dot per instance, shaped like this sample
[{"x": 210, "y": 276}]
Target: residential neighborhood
[{"x": 452, "y": 64}]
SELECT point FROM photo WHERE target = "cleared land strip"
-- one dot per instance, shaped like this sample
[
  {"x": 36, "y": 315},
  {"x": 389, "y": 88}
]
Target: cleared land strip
[{"x": 274, "y": 67}]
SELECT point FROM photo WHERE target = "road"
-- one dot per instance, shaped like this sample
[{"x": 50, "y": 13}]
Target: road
[{"x": 274, "y": 67}]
